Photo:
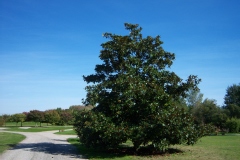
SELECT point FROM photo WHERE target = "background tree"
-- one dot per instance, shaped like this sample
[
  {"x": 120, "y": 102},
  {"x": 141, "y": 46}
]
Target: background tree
[
  {"x": 66, "y": 117},
  {"x": 59, "y": 110},
  {"x": 182, "y": 103},
  {"x": 208, "y": 112},
  {"x": 194, "y": 98},
  {"x": 19, "y": 117},
  {"x": 26, "y": 114},
  {"x": 1, "y": 121},
  {"x": 4, "y": 118},
  {"x": 75, "y": 108},
  {"x": 36, "y": 116},
  {"x": 233, "y": 125},
  {"x": 135, "y": 96},
  {"x": 232, "y": 101},
  {"x": 52, "y": 116}
]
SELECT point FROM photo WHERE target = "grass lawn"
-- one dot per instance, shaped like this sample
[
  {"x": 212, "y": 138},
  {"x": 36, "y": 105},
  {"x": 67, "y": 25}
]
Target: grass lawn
[
  {"x": 8, "y": 140},
  {"x": 34, "y": 127},
  {"x": 25, "y": 124},
  {"x": 67, "y": 132},
  {"x": 211, "y": 147},
  {"x": 38, "y": 129}
]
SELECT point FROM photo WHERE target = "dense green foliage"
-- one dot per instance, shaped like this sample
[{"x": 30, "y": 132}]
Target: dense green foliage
[
  {"x": 36, "y": 116},
  {"x": 233, "y": 125},
  {"x": 232, "y": 101},
  {"x": 18, "y": 117},
  {"x": 136, "y": 96},
  {"x": 208, "y": 112}
]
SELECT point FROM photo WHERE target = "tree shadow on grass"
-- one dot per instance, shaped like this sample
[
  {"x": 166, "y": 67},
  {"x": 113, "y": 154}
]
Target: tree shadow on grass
[{"x": 122, "y": 151}]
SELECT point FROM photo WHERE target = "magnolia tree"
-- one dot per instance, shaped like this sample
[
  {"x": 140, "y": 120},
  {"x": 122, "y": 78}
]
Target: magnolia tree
[{"x": 135, "y": 94}]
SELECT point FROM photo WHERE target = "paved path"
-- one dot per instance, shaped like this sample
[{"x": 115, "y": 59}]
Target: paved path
[{"x": 42, "y": 146}]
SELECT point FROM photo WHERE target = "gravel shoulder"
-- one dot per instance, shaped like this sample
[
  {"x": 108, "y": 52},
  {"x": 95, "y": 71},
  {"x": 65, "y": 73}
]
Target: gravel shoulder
[{"x": 42, "y": 146}]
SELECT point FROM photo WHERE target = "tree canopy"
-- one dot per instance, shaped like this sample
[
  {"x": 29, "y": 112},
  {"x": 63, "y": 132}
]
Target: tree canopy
[
  {"x": 232, "y": 101},
  {"x": 18, "y": 117},
  {"x": 135, "y": 94},
  {"x": 52, "y": 116},
  {"x": 36, "y": 116}
]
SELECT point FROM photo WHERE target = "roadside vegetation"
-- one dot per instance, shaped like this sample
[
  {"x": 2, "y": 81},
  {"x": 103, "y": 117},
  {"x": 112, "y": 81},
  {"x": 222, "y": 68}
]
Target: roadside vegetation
[{"x": 8, "y": 140}]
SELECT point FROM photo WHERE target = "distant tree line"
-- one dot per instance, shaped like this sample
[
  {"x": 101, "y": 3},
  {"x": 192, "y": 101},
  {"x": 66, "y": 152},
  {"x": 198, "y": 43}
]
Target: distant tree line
[
  {"x": 224, "y": 118},
  {"x": 57, "y": 116},
  {"x": 204, "y": 111}
]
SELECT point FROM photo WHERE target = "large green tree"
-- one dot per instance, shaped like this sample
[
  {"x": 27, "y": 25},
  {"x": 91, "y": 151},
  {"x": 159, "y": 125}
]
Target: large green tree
[{"x": 135, "y": 94}]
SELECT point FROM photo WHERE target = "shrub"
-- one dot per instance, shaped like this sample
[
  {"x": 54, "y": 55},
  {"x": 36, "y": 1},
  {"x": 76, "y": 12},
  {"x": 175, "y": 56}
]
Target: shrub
[
  {"x": 233, "y": 125},
  {"x": 96, "y": 130}
]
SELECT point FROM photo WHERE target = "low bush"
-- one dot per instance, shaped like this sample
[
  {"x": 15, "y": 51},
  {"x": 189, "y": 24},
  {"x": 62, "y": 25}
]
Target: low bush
[{"x": 233, "y": 125}]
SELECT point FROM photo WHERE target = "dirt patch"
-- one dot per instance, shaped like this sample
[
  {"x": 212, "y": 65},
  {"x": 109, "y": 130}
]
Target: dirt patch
[{"x": 24, "y": 127}]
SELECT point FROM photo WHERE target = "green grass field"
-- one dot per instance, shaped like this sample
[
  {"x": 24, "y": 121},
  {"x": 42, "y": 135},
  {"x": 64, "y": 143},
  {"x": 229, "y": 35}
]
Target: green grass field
[
  {"x": 12, "y": 126},
  {"x": 211, "y": 147},
  {"x": 8, "y": 140},
  {"x": 25, "y": 124},
  {"x": 38, "y": 129}
]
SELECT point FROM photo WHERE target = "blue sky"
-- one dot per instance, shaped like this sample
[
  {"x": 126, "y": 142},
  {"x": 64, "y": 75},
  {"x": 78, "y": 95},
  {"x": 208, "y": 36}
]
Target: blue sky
[{"x": 47, "y": 46}]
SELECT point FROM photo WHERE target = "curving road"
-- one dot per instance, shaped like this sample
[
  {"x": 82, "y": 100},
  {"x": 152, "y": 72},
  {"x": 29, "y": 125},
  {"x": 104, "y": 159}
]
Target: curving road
[{"x": 42, "y": 146}]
